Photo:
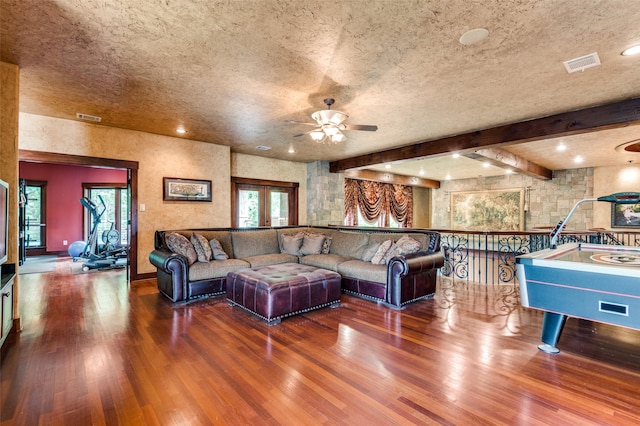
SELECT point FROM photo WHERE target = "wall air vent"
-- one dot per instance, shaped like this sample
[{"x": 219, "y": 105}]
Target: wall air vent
[
  {"x": 582, "y": 63},
  {"x": 89, "y": 117}
]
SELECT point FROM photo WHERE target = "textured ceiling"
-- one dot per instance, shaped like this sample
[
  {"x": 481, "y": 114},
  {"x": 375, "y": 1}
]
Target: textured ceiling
[{"x": 233, "y": 72}]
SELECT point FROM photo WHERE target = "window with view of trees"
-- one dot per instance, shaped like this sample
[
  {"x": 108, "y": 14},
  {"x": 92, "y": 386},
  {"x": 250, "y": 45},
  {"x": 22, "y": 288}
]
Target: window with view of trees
[
  {"x": 34, "y": 215},
  {"x": 116, "y": 210}
]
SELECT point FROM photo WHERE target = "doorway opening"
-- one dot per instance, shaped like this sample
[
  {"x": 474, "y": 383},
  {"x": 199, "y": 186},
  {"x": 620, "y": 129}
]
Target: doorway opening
[{"x": 130, "y": 169}]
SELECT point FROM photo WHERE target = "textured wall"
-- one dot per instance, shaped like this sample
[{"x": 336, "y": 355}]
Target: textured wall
[
  {"x": 421, "y": 207},
  {"x": 158, "y": 157},
  {"x": 549, "y": 201},
  {"x": 252, "y": 167},
  {"x": 9, "y": 100}
]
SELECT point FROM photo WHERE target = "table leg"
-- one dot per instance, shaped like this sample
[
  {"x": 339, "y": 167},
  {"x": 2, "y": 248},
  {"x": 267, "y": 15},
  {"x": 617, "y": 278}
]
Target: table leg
[{"x": 552, "y": 325}]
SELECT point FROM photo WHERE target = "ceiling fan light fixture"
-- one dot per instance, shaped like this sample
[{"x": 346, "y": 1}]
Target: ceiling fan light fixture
[
  {"x": 317, "y": 135},
  {"x": 329, "y": 117},
  {"x": 330, "y": 130},
  {"x": 338, "y": 137}
]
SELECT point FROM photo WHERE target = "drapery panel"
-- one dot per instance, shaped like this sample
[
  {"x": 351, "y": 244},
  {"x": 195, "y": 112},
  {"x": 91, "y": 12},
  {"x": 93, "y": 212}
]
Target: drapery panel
[{"x": 377, "y": 202}]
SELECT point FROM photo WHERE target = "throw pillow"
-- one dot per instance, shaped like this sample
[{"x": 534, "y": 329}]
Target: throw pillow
[
  {"x": 201, "y": 245},
  {"x": 312, "y": 244},
  {"x": 291, "y": 243},
  {"x": 179, "y": 244},
  {"x": 217, "y": 251},
  {"x": 378, "y": 257},
  {"x": 408, "y": 245},
  {"x": 326, "y": 245},
  {"x": 393, "y": 251},
  {"x": 370, "y": 251}
]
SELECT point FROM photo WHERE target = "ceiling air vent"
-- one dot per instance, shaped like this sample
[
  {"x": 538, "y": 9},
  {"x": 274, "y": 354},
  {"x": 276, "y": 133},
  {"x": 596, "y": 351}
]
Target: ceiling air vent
[
  {"x": 582, "y": 63},
  {"x": 89, "y": 117},
  {"x": 263, "y": 148}
]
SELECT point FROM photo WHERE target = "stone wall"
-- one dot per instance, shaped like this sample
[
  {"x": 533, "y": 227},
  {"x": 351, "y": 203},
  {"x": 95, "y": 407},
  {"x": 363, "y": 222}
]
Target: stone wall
[
  {"x": 325, "y": 195},
  {"x": 546, "y": 201}
]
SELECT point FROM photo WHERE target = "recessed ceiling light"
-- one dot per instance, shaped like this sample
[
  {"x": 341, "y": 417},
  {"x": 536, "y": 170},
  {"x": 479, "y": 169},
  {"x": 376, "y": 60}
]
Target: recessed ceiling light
[
  {"x": 455, "y": 155},
  {"x": 387, "y": 166},
  {"x": 485, "y": 165},
  {"x": 447, "y": 177},
  {"x": 474, "y": 36},
  {"x": 181, "y": 130},
  {"x": 291, "y": 150},
  {"x": 561, "y": 147},
  {"x": 578, "y": 159},
  {"x": 421, "y": 172},
  {"x": 509, "y": 171},
  {"x": 634, "y": 50}
]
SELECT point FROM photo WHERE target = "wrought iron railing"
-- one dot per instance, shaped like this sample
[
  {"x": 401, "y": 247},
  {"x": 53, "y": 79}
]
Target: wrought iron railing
[{"x": 489, "y": 257}]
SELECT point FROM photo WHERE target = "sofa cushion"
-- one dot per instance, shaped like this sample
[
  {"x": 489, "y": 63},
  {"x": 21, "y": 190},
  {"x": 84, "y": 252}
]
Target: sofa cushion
[
  {"x": 217, "y": 252},
  {"x": 201, "y": 246},
  {"x": 215, "y": 269},
  {"x": 380, "y": 255},
  {"x": 254, "y": 242},
  {"x": 270, "y": 259},
  {"x": 291, "y": 244},
  {"x": 181, "y": 245},
  {"x": 324, "y": 261},
  {"x": 312, "y": 243},
  {"x": 363, "y": 270},
  {"x": 350, "y": 244}
]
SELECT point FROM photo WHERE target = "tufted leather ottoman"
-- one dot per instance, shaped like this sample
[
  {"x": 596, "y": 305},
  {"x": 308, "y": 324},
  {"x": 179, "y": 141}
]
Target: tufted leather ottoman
[{"x": 277, "y": 291}]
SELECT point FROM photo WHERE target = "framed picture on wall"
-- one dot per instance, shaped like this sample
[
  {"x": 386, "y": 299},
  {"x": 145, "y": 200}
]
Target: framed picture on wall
[
  {"x": 493, "y": 210},
  {"x": 175, "y": 189},
  {"x": 625, "y": 215}
]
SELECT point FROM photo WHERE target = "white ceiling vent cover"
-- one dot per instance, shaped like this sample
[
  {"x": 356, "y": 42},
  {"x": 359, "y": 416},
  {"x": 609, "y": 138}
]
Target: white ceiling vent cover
[
  {"x": 88, "y": 117},
  {"x": 582, "y": 63}
]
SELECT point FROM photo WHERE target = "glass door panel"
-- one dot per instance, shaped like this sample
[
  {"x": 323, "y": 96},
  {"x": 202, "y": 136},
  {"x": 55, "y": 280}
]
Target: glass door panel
[
  {"x": 248, "y": 208},
  {"x": 279, "y": 208},
  {"x": 34, "y": 216}
]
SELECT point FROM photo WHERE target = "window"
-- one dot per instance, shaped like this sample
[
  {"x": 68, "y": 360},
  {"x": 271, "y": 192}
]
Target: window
[
  {"x": 114, "y": 213},
  {"x": 35, "y": 214},
  {"x": 393, "y": 223},
  {"x": 264, "y": 203}
]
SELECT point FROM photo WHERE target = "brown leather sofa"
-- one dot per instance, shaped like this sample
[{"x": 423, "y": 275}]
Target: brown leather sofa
[{"x": 402, "y": 280}]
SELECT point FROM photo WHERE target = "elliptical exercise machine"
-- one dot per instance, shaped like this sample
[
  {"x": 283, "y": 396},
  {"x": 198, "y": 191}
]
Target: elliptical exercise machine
[{"x": 109, "y": 254}]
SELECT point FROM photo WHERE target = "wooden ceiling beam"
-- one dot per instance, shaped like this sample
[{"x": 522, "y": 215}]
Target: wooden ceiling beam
[
  {"x": 602, "y": 117},
  {"x": 391, "y": 178},
  {"x": 506, "y": 160}
]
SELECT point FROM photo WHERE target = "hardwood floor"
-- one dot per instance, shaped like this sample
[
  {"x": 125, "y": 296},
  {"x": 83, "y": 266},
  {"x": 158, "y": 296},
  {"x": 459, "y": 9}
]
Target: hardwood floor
[{"x": 94, "y": 350}]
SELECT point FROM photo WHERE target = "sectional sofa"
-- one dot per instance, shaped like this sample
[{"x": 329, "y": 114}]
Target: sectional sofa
[{"x": 391, "y": 267}]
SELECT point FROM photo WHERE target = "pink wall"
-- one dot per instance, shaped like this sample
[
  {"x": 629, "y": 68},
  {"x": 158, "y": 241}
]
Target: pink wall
[{"x": 64, "y": 190}]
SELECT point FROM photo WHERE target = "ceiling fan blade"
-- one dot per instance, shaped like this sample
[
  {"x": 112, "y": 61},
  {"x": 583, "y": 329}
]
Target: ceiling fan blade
[
  {"x": 365, "y": 127},
  {"x": 301, "y": 122}
]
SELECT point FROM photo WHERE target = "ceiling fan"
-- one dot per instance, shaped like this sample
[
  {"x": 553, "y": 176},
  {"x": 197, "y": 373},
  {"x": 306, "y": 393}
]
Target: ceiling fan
[{"x": 330, "y": 124}]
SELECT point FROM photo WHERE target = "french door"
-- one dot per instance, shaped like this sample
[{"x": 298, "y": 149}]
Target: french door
[{"x": 264, "y": 203}]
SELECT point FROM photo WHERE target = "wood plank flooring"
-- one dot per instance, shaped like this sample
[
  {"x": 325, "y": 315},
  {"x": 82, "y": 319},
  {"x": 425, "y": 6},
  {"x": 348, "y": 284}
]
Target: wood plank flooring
[{"x": 96, "y": 350}]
